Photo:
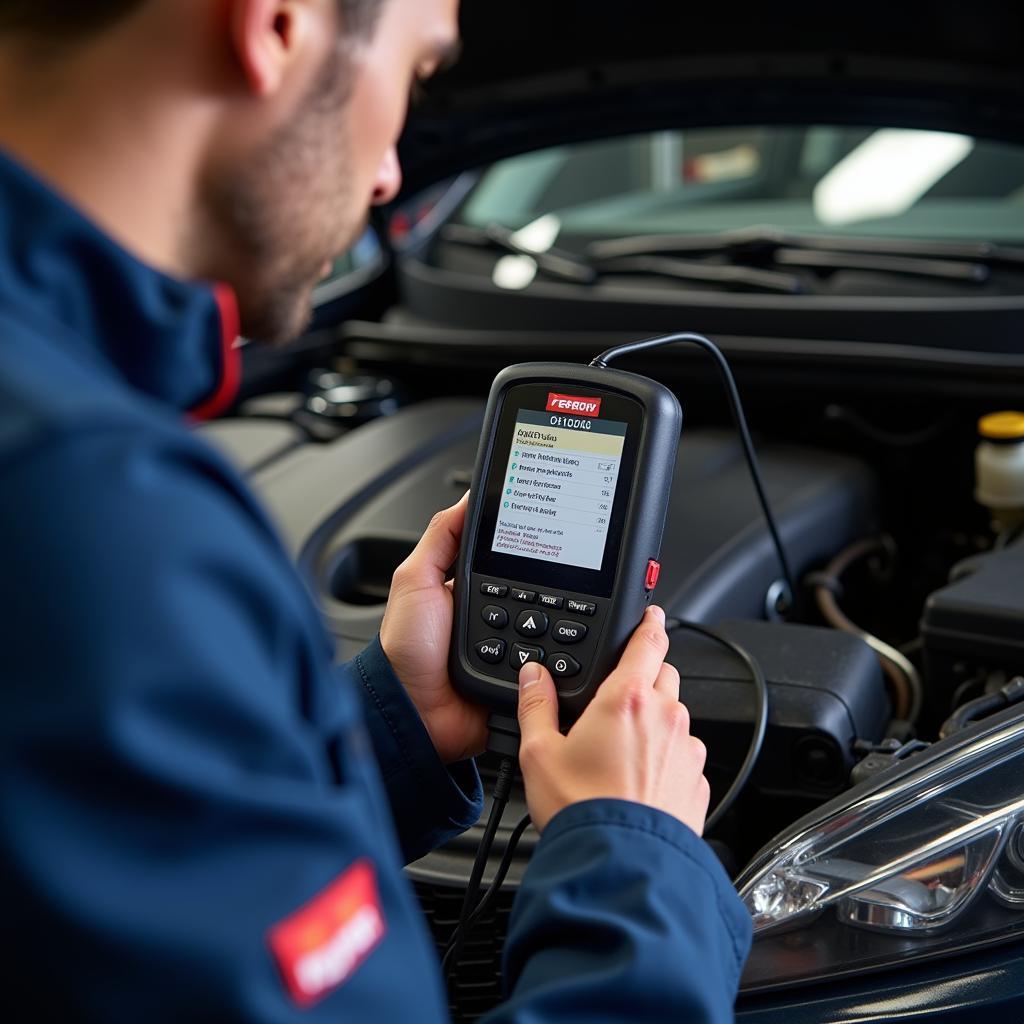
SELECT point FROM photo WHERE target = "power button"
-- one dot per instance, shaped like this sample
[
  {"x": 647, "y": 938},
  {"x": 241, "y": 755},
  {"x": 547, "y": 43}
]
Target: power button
[{"x": 653, "y": 572}]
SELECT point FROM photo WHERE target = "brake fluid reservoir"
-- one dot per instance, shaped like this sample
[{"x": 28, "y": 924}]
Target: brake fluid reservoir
[{"x": 999, "y": 467}]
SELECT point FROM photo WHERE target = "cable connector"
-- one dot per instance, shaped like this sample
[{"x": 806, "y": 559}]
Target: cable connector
[
  {"x": 504, "y": 736},
  {"x": 506, "y": 776}
]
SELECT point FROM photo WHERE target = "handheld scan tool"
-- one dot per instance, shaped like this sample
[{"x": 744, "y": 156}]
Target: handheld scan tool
[{"x": 563, "y": 533}]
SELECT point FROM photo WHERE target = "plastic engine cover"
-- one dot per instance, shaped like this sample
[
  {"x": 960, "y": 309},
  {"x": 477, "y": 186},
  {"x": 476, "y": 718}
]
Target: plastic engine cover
[
  {"x": 826, "y": 690},
  {"x": 353, "y": 509}
]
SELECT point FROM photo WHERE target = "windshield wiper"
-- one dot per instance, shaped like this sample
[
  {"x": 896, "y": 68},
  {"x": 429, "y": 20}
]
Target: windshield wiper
[
  {"x": 952, "y": 270},
  {"x": 699, "y": 258},
  {"x": 692, "y": 270},
  {"x": 964, "y": 261},
  {"x": 564, "y": 266},
  {"x": 556, "y": 263}
]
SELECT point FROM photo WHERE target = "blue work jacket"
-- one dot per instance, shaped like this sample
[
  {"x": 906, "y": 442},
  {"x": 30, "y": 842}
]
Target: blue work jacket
[{"x": 202, "y": 817}]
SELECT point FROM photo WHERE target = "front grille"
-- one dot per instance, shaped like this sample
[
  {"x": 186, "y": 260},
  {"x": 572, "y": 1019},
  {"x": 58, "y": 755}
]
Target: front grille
[{"x": 476, "y": 985}]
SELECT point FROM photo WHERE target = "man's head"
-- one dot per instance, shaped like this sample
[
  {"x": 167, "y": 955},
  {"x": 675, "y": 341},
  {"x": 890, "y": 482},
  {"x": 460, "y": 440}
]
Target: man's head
[{"x": 294, "y": 108}]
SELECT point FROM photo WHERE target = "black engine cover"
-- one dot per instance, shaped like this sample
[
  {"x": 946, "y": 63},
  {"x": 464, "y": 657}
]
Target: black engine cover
[{"x": 826, "y": 690}]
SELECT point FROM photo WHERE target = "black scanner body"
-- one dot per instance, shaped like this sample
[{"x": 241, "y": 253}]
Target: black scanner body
[{"x": 536, "y": 579}]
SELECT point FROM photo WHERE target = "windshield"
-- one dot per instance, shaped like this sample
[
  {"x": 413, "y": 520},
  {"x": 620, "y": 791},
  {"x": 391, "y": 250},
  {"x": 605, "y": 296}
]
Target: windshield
[{"x": 889, "y": 182}]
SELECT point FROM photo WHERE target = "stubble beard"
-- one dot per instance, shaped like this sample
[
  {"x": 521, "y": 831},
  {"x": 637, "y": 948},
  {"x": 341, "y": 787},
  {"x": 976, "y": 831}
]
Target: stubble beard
[{"x": 289, "y": 210}]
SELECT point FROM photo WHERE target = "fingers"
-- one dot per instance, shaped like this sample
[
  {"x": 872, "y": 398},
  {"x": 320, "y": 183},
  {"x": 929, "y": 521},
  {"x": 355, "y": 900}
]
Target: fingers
[
  {"x": 644, "y": 654},
  {"x": 699, "y": 753},
  {"x": 668, "y": 681},
  {"x": 538, "y": 707},
  {"x": 437, "y": 549}
]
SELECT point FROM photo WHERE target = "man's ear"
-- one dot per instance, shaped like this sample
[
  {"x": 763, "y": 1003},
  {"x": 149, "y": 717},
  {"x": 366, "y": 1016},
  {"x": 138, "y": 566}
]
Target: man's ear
[{"x": 269, "y": 37}]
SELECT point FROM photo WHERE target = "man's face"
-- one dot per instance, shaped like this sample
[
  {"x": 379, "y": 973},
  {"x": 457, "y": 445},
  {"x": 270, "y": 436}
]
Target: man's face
[{"x": 302, "y": 198}]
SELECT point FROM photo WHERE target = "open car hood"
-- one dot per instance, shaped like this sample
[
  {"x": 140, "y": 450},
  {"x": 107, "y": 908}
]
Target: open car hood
[{"x": 536, "y": 73}]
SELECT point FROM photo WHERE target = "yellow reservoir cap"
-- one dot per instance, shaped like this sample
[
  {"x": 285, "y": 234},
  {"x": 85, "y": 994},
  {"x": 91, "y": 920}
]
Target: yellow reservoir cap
[{"x": 1002, "y": 426}]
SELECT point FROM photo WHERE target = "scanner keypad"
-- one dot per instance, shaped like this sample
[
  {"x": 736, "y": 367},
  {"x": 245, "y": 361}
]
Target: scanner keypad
[{"x": 504, "y": 635}]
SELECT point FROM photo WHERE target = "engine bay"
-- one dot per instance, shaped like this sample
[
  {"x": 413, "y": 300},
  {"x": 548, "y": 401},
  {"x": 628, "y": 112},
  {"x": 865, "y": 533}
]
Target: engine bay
[{"x": 906, "y": 626}]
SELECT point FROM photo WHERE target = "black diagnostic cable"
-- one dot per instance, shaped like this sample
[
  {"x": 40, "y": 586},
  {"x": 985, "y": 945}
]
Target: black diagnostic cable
[
  {"x": 760, "y": 714},
  {"x": 499, "y": 800},
  {"x": 463, "y": 929},
  {"x": 736, "y": 406},
  {"x": 500, "y": 875}
]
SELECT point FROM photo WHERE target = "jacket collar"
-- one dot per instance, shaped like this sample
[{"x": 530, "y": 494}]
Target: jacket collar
[{"x": 175, "y": 341}]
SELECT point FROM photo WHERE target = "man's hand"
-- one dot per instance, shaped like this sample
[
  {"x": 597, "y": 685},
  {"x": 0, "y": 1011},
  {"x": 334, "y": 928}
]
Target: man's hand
[
  {"x": 633, "y": 741},
  {"x": 416, "y": 633}
]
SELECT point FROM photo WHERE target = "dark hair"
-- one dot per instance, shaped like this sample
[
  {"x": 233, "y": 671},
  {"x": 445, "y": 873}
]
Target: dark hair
[
  {"x": 62, "y": 18},
  {"x": 68, "y": 19}
]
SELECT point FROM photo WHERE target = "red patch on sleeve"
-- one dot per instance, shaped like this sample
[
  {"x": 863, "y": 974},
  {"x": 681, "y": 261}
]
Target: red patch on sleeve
[{"x": 321, "y": 945}]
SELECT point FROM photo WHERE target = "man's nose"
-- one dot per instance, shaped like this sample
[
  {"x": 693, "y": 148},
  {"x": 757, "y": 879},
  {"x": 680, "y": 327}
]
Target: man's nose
[{"x": 389, "y": 179}]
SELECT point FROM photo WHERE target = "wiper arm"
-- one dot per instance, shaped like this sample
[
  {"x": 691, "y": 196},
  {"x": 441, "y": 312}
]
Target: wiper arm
[
  {"x": 767, "y": 240},
  {"x": 951, "y": 270},
  {"x": 554, "y": 263},
  {"x": 716, "y": 273},
  {"x": 564, "y": 266}
]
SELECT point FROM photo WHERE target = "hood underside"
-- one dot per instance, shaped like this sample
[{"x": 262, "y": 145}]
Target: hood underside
[{"x": 537, "y": 73}]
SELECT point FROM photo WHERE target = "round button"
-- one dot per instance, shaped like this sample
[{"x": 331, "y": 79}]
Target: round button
[
  {"x": 491, "y": 651},
  {"x": 562, "y": 666},
  {"x": 495, "y": 616},
  {"x": 531, "y": 623},
  {"x": 569, "y": 632}
]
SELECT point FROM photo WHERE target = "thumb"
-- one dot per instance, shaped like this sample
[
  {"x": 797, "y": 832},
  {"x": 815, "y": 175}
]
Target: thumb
[
  {"x": 437, "y": 548},
  {"x": 538, "y": 703}
]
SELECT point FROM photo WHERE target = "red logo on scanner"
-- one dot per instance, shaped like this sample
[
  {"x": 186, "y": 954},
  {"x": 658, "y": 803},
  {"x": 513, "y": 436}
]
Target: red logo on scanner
[
  {"x": 320, "y": 946},
  {"x": 573, "y": 403}
]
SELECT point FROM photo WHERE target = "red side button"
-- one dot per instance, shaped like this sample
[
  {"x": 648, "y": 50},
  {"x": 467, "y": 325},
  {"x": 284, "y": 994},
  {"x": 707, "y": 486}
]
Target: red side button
[{"x": 653, "y": 572}]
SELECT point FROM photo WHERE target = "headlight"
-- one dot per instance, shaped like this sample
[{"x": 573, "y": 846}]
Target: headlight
[{"x": 927, "y": 858}]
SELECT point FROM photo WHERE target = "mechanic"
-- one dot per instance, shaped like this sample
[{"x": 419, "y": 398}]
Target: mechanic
[{"x": 202, "y": 817}]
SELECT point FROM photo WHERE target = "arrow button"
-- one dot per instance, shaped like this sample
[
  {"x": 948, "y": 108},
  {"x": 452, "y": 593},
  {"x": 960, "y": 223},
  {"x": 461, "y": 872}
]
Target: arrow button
[
  {"x": 522, "y": 655},
  {"x": 531, "y": 623}
]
